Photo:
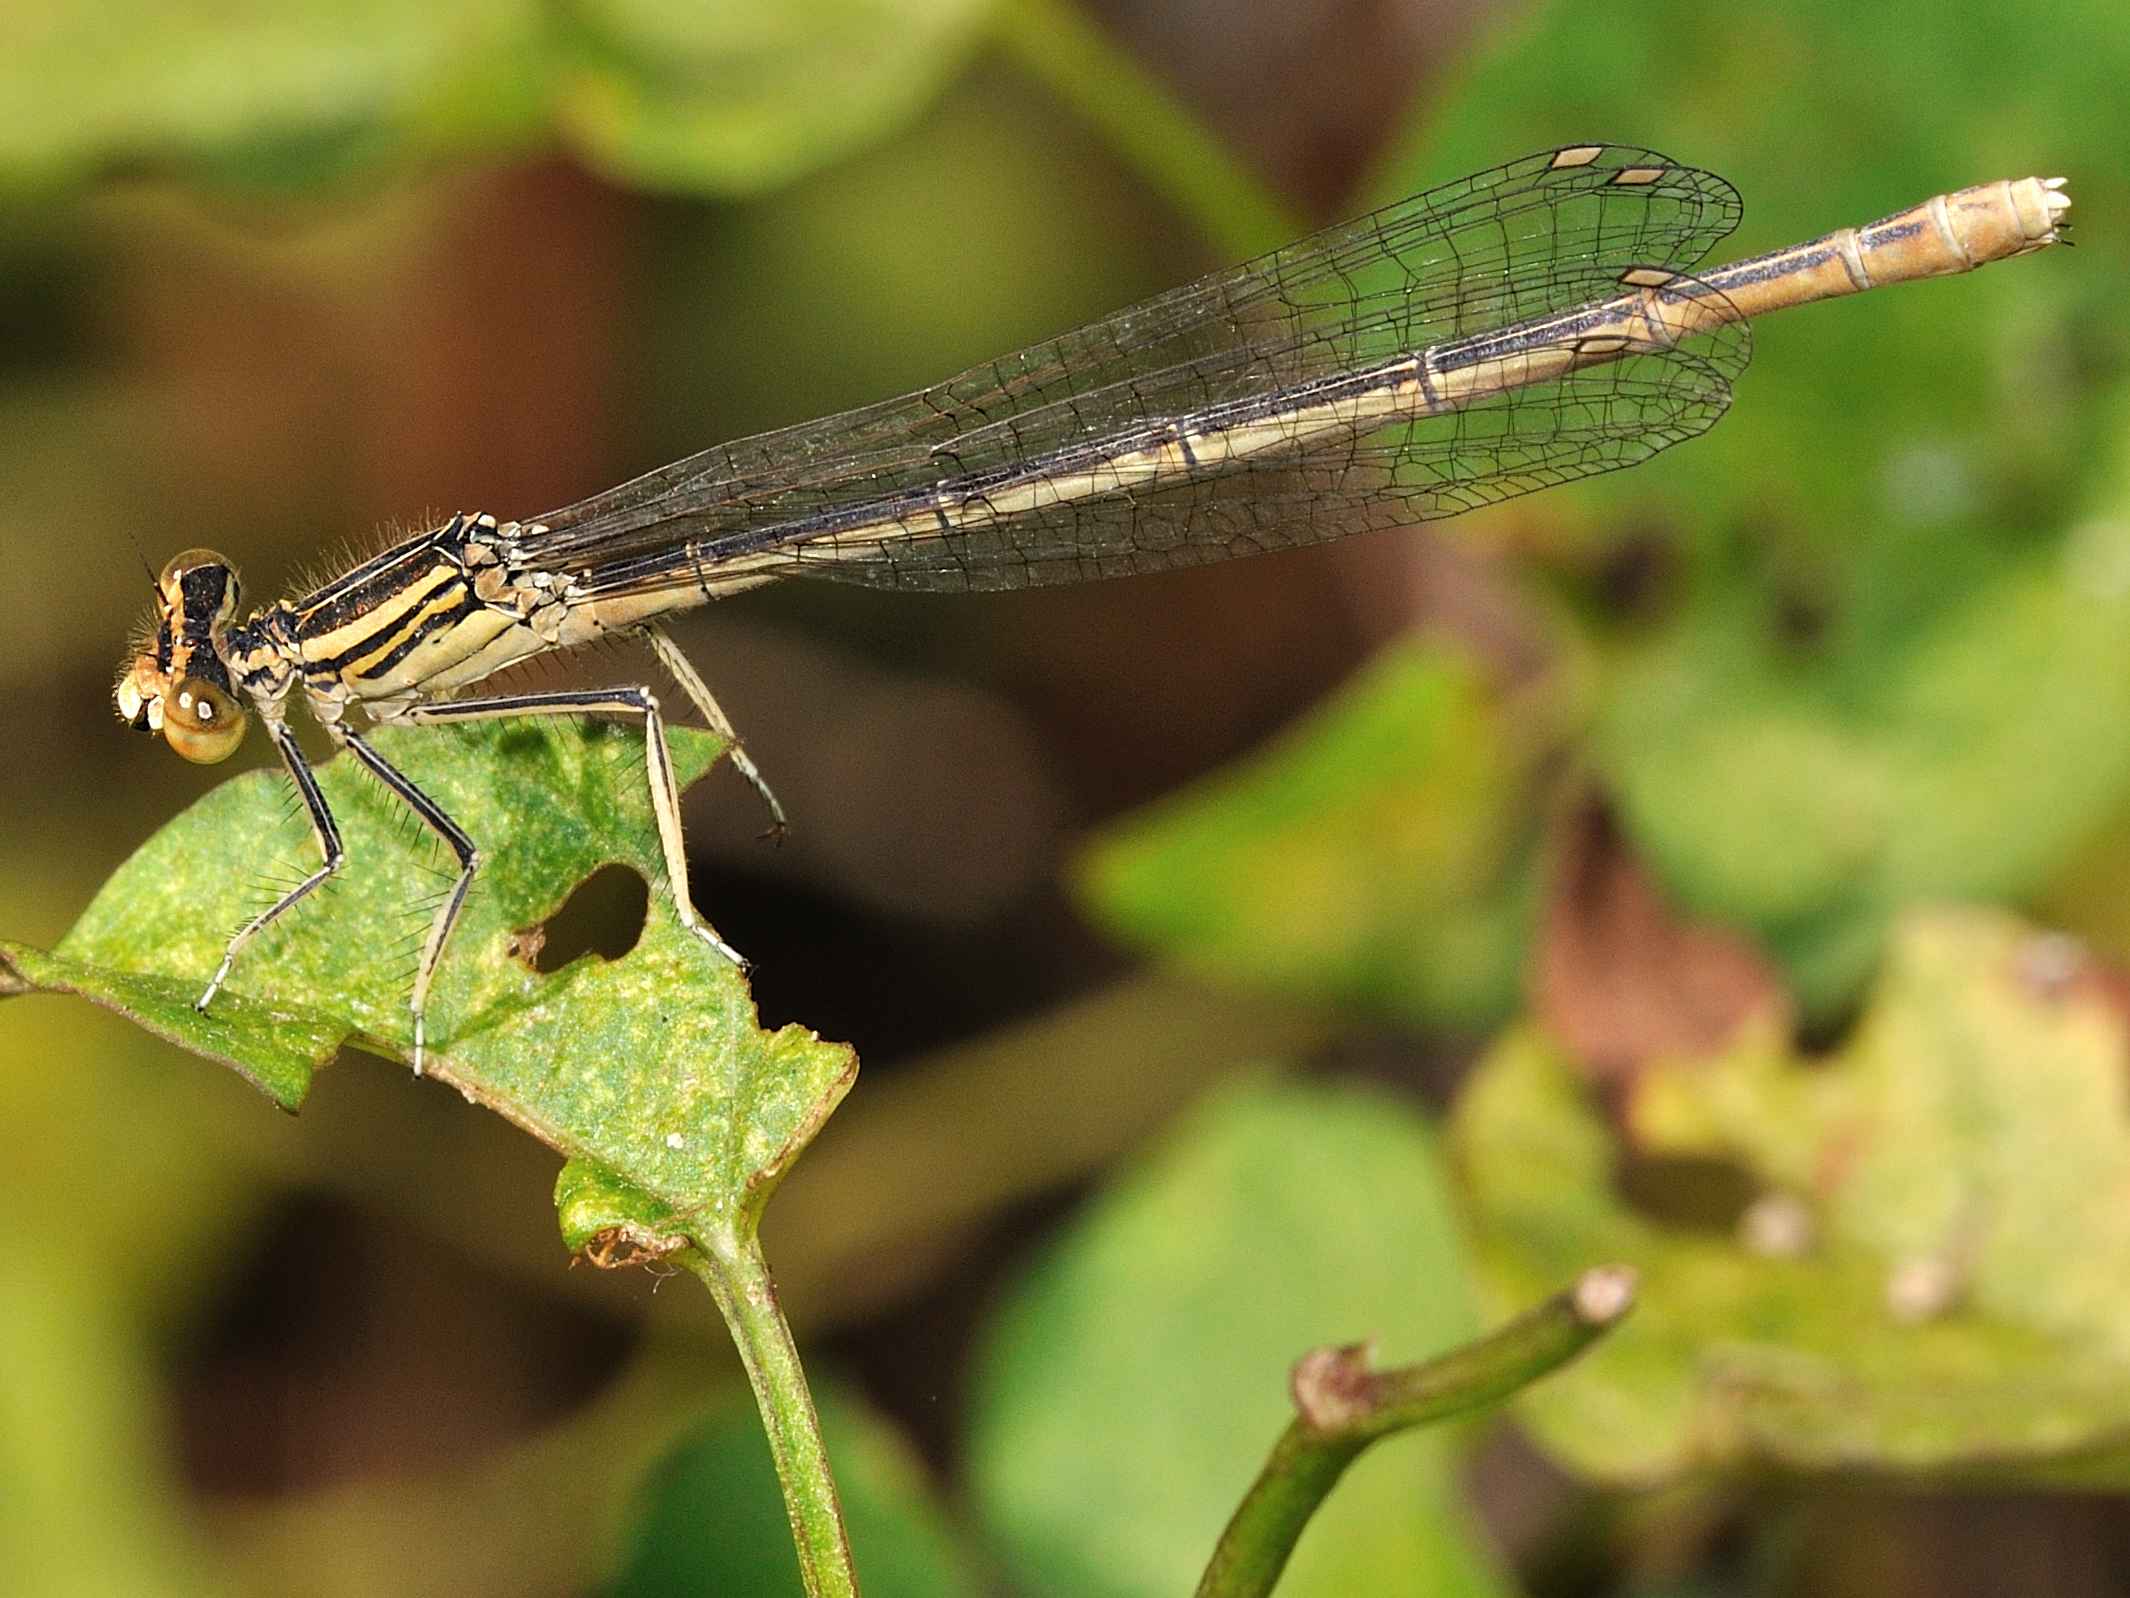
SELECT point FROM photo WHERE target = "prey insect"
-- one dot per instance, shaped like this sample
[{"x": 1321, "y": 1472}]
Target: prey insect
[{"x": 1521, "y": 327}]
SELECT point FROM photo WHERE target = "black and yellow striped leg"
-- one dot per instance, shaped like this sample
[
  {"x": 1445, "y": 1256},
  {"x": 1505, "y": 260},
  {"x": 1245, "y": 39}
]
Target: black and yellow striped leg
[
  {"x": 469, "y": 858},
  {"x": 328, "y": 833}
]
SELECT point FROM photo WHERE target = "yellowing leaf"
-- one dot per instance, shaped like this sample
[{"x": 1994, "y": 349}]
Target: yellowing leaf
[{"x": 1949, "y": 1285}]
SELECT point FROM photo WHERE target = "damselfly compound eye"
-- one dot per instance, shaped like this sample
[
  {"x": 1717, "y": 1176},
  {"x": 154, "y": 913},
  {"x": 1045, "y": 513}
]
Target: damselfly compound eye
[
  {"x": 201, "y": 722},
  {"x": 182, "y": 562}
]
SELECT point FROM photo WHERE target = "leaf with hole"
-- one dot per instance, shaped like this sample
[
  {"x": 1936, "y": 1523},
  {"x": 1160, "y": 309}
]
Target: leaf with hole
[
  {"x": 1927, "y": 1269},
  {"x": 651, "y": 1065}
]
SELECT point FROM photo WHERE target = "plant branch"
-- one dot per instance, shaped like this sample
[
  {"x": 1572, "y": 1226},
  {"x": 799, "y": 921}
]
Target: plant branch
[
  {"x": 731, "y": 1265},
  {"x": 1342, "y": 1406},
  {"x": 1144, "y": 123}
]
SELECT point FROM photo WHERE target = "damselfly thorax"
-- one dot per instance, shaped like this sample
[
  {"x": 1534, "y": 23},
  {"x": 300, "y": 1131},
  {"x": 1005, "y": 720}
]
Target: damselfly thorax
[{"x": 1519, "y": 328}]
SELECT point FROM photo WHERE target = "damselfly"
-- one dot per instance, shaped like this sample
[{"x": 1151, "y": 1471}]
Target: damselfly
[{"x": 1518, "y": 328}]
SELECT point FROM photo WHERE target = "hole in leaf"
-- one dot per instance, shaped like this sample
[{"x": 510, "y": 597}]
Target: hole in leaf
[{"x": 604, "y": 915}]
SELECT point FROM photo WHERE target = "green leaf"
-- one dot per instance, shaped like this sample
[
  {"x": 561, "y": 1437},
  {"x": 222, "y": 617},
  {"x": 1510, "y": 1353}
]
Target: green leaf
[
  {"x": 1965, "y": 764},
  {"x": 670, "y": 94},
  {"x": 257, "y": 89},
  {"x": 275, "y": 1049},
  {"x": 1964, "y": 758},
  {"x": 662, "y": 93},
  {"x": 651, "y": 1065},
  {"x": 1132, "y": 1386},
  {"x": 1382, "y": 854},
  {"x": 1951, "y": 1289},
  {"x": 711, "y": 1520}
]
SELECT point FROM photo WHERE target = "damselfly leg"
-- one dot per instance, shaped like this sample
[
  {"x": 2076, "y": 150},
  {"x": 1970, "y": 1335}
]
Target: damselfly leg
[
  {"x": 327, "y": 832},
  {"x": 683, "y": 672}
]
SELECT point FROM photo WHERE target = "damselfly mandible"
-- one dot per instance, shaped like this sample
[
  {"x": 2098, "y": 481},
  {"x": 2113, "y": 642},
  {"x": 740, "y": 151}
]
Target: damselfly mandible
[{"x": 1518, "y": 328}]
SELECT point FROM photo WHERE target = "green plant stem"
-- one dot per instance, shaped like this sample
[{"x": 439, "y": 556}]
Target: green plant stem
[
  {"x": 1344, "y": 1406},
  {"x": 1144, "y": 123},
  {"x": 732, "y": 1267}
]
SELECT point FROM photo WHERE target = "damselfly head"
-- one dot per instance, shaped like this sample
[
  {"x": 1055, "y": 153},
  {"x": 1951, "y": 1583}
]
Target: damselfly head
[{"x": 177, "y": 682}]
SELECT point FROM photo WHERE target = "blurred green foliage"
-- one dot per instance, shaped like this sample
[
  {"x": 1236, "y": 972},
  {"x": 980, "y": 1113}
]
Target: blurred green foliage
[
  {"x": 711, "y": 1520},
  {"x": 1377, "y": 856},
  {"x": 1887, "y": 670},
  {"x": 1131, "y": 1386},
  {"x": 1938, "y": 1281},
  {"x": 659, "y": 93}
]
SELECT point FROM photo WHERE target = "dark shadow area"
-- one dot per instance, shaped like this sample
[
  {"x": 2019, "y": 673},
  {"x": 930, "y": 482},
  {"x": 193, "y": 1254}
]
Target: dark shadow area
[
  {"x": 603, "y": 915},
  {"x": 342, "y": 1347}
]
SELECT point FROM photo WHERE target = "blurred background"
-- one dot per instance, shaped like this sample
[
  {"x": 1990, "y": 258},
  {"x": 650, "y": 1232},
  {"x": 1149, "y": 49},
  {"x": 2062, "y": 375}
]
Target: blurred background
[{"x": 1720, "y": 866}]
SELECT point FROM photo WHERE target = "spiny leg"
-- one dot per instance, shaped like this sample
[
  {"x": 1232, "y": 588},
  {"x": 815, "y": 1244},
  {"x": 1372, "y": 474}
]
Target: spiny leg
[
  {"x": 328, "y": 834},
  {"x": 665, "y": 793},
  {"x": 691, "y": 683},
  {"x": 469, "y": 858}
]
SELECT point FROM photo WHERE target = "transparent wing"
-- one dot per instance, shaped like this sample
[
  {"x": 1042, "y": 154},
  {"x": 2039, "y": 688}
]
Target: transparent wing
[{"x": 1541, "y": 235}]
